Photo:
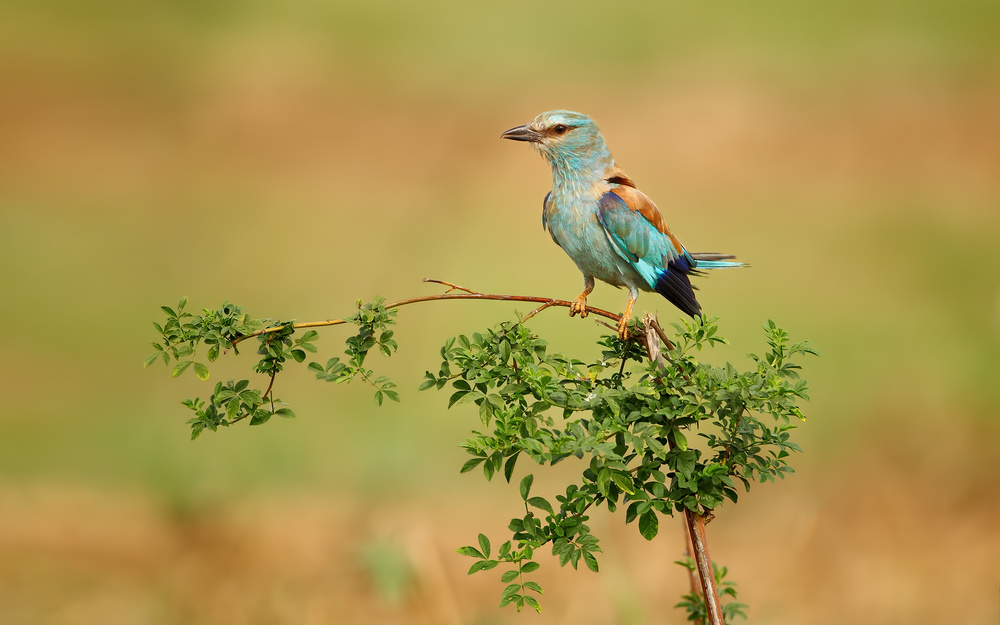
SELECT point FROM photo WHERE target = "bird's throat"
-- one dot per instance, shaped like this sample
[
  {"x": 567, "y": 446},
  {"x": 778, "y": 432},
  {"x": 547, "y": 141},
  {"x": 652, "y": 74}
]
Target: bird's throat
[{"x": 579, "y": 171}]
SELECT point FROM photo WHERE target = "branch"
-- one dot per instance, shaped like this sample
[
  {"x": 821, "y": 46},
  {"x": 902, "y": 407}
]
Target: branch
[
  {"x": 696, "y": 528},
  {"x": 467, "y": 294},
  {"x": 695, "y": 522}
]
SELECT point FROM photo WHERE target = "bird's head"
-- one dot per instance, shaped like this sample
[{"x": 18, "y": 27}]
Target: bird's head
[{"x": 563, "y": 138}]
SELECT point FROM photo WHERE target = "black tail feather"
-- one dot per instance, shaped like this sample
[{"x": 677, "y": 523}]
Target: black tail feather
[{"x": 675, "y": 285}]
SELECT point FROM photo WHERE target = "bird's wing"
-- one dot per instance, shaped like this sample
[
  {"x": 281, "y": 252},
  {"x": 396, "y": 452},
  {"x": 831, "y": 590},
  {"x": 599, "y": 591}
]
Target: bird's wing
[
  {"x": 546, "y": 207},
  {"x": 636, "y": 228},
  {"x": 639, "y": 234}
]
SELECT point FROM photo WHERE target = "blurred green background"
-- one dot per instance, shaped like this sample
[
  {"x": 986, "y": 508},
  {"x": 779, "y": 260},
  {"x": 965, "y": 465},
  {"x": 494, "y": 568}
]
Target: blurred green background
[{"x": 292, "y": 157}]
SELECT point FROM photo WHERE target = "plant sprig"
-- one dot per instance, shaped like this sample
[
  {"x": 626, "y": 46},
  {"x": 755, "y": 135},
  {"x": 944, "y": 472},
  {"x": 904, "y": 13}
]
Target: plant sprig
[
  {"x": 654, "y": 436},
  {"x": 183, "y": 333},
  {"x": 635, "y": 428}
]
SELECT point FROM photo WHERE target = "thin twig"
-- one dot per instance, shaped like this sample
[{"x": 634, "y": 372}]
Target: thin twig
[
  {"x": 537, "y": 310},
  {"x": 660, "y": 333},
  {"x": 270, "y": 386},
  {"x": 451, "y": 287},
  {"x": 468, "y": 295}
]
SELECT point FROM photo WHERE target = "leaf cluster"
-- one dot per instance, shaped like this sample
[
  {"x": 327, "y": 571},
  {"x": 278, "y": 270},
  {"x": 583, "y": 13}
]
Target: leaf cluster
[
  {"x": 184, "y": 334},
  {"x": 694, "y": 603},
  {"x": 373, "y": 321},
  {"x": 653, "y": 440},
  {"x": 649, "y": 438}
]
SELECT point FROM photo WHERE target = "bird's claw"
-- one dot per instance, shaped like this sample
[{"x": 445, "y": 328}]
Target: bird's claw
[
  {"x": 579, "y": 307},
  {"x": 623, "y": 328}
]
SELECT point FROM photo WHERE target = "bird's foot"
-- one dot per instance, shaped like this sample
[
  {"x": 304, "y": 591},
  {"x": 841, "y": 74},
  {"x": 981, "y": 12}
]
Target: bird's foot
[
  {"x": 623, "y": 328},
  {"x": 579, "y": 307}
]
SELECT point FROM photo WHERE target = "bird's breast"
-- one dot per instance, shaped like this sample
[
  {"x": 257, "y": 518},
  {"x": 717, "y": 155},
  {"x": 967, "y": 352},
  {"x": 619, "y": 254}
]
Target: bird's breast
[{"x": 572, "y": 221}]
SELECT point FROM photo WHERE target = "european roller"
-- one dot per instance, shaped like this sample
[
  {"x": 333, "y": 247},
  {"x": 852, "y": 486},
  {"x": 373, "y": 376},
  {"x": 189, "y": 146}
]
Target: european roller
[{"x": 610, "y": 229}]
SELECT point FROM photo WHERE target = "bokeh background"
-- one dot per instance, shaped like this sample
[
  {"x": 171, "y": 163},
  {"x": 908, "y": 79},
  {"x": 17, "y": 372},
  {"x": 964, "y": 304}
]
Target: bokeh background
[{"x": 292, "y": 157}]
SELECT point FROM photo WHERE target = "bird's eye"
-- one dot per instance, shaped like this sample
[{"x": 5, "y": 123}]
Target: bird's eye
[{"x": 560, "y": 129}]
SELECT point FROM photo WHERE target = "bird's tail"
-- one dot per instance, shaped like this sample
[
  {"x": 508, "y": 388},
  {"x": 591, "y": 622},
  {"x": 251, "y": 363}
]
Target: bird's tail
[{"x": 711, "y": 260}]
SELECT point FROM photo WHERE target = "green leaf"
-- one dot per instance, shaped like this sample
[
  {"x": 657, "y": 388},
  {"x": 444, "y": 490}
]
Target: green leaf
[
  {"x": 679, "y": 439},
  {"x": 285, "y": 412},
  {"x": 181, "y": 367},
  {"x": 490, "y": 564},
  {"x": 542, "y": 503},
  {"x": 511, "y": 590},
  {"x": 201, "y": 371},
  {"x": 456, "y": 396},
  {"x": 508, "y": 577},
  {"x": 260, "y": 417},
  {"x": 532, "y": 602},
  {"x": 649, "y": 525},
  {"x": 530, "y": 567},
  {"x": 525, "y": 488},
  {"x": 504, "y": 351},
  {"x": 603, "y": 478},
  {"x": 508, "y": 467},
  {"x": 150, "y": 359},
  {"x": 623, "y": 482},
  {"x": 472, "y": 552},
  {"x": 471, "y": 464},
  {"x": 509, "y": 600},
  {"x": 590, "y": 560},
  {"x": 533, "y": 586},
  {"x": 685, "y": 463},
  {"x": 484, "y": 545}
]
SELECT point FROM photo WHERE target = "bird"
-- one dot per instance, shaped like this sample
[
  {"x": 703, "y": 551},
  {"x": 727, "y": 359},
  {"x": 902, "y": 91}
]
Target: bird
[{"x": 607, "y": 226}]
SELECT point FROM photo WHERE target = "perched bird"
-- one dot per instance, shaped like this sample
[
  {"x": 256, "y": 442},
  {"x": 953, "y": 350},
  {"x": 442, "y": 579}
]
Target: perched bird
[{"x": 610, "y": 229}]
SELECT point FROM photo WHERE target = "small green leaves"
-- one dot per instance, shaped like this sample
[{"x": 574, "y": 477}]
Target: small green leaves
[
  {"x": 372, "y": 320},
  {"x": 183, "y": 335},
  {"x": 694, "y": 603},
  {"x": 650, "y": 438},
  {"x": 632, "y": 426}
]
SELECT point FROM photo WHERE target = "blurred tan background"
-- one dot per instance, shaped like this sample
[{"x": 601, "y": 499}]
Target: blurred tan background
[{"x": 292, "y": 157}]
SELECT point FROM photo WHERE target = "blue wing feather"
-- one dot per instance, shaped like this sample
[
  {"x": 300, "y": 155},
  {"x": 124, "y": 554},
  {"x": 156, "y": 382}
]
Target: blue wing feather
[{"x": 650, "y": 252}]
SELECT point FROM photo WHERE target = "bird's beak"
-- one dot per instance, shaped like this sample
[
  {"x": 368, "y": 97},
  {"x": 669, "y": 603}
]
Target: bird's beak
[{"x": 522, "y": 133}]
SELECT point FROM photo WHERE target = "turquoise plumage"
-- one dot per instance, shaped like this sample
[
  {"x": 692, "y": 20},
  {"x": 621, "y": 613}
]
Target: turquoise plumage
[{"x": 610, "y": 229}]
